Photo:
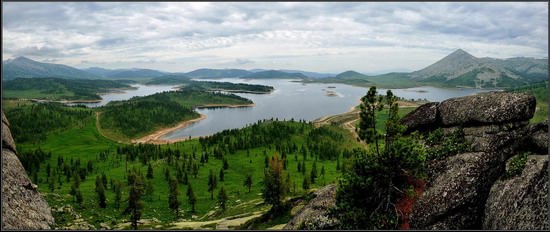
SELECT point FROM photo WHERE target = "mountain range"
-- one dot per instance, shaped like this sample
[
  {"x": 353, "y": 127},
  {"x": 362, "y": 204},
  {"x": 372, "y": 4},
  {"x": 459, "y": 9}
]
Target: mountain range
[
  {"x": 456, "y": 69},
  {"x": 461, "y": 68}
]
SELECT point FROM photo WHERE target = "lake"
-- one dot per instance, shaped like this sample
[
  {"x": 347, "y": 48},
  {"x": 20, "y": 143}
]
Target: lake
[
  {"x": 142, "y": 90},
  {"x": 295, "y": 100}
]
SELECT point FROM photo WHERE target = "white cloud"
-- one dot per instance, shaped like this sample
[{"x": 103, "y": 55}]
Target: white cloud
[{"x": 323, "y": 37}]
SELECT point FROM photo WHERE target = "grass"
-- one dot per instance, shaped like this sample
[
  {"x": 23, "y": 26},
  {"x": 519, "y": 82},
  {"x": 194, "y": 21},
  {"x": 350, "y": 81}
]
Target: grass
[{"x": 85, "y": 143}]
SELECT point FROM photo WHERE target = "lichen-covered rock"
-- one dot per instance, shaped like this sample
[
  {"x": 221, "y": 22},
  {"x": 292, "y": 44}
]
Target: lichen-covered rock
[
  {"x": 23, "y": 207},
  {"x": 487, "y": 108},
  {"x": 539, "y": 137},
  {"x": 314, "y": 215},
  {"x": 490, "y": 138},
  {"x": 457, "y": 189},
  {"x": 422, "y": 118},
  {"x": 521, "y": 202}
]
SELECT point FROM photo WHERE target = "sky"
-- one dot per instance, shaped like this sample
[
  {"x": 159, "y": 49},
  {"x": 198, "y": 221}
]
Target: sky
[{"x": 327, "y": 37}]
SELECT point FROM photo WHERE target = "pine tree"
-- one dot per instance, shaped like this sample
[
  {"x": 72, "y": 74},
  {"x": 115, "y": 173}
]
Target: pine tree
[
  {"x": 275, "y": 184},
  {"x": 101, "y": 194},
  {"x": 135, "y": 204},
  {"x": 222, "y": 198},
  {"x": 191, "y": 199},
  {"x": 149, "y": 171},
  {"x": 305, "y": 183},
  {"x": 221, "y": 174},
  {"x": 212, "y": 183},
  {"x": 248, "y": 181},
  {"x": 173, "y": 201},
  {"x": 149, "y": 189},
  {"x": 118, "y": 194},
  {"x": 78, "y": 196}
]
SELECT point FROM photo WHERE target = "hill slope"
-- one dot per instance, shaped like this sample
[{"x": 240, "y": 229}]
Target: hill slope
[
  {"x": 23, "y": 67},
  {"x": 461, "y": 68},
  {"x": 273, "y": 74},
  {"x": 217, "y": 73}
]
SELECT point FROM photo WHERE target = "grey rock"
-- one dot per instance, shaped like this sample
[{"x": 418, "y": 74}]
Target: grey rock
[
  {"x": 487, "y": 108},
  {"x": 315, "y": 213},
  {"x": 457, "y": 189},
  {"x": 422, "y": 118},
  {"x": 7, "y": 140},
  {"x": 521, "y": 202},
  {"x": 23, "y": 207},
  {"x": 494, "y": 137},
  {"x": 539, "y": 137}
]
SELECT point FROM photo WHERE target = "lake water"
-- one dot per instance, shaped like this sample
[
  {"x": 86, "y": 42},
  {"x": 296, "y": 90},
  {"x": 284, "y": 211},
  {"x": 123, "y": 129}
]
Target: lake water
[
  {"x": 294, "y": 100},
  {"x": 142, "y": 90}
]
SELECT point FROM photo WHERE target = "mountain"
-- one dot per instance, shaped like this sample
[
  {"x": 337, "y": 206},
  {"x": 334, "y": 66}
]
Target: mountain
[
  {"x": 22, "y": 67},
  {"x": 124, "y": 73},
  {"x": 306, "y": 73},
  {"x": 462, "y": 69},
  {"x": 217, "y": 73},
  {"x": 274, "y": 74},
  {"x": 351, "y": 75}
]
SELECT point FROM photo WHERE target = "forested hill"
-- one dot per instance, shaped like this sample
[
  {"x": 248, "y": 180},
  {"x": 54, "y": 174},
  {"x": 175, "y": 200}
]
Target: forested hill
[
  {"x": 139, "y": 116},
  {"x": 58, "y": 88},
  {"x": 273, "y": 74},
  {"x": 23, "y": 67}
]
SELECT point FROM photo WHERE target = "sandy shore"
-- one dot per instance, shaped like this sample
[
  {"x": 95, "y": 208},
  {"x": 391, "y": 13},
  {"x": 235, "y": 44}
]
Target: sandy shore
[{"x": 155, "y": 137}]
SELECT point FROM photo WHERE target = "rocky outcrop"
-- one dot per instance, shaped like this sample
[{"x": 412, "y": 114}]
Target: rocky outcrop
[
  {"x": 315, "y": 214},
  {"x": 22, "y": 206},
  {"x": 538, "y": 141},
  {"x": 520, "y": 203},
  {"x": 422, "y": 118},
  {"x": 459, "y": 187}
]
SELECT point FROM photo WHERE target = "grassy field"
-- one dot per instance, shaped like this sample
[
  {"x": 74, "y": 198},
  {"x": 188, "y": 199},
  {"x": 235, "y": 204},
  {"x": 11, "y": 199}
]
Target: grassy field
[{"x": 85, "y": 143}]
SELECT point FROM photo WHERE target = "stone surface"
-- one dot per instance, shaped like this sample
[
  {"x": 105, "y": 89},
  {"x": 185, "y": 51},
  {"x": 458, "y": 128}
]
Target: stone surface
[
  {"x": 22, "y": 206},
  {"x": 492, "y": 138},
  {"x": 520, "y": 203},
  {"x": 422, "y": 118},
  {"x": 315, "y": 213},
  {"x": 457, "y": 189},
  {"x": 487, "y": 108},
  {"x": 539, "y": 137}
]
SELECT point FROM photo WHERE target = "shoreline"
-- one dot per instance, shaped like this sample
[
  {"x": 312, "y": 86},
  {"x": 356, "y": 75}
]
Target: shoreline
[
  {"x": 155, "y": 137},
  {"x": 225, "y": 106}
]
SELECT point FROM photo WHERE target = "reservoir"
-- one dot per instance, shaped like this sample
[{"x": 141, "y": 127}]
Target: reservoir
[{"x": 295, "y": 100}]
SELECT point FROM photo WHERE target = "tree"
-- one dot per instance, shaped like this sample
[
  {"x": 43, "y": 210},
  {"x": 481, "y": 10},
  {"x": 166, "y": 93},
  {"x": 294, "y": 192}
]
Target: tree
[
  {"x": 149, "y": 171},
  {"x": 374, "y": 180},
  {"x": 78, "y": 196},
  {"x": 149, "y": 189},
  {"x": 248, "y": 181},
  {"x": 275, "y": 184},
  {"x": 135, "y": 204},
  {"x": 225, "y": 164},
  {"x": 48, "y": 170},
  {"x": 118, "y": 194},
  {"x": 323, "y": 173},
  {"x": 313, "y": 174},
  {"x": 370, "y": 103},
  {"x": 101, "y": 194},
  {"x": 173, "y": 201},
  {"x": 166, "y": 174},
  {"x": 305, "y": 183},
  {"x": 191, "y": 199},
  {"x": 52, "y": 184},
  {"x": 222, "y": 198},
  {"x": 212, "y": 183},
  {"x": 221, "y": 174}
]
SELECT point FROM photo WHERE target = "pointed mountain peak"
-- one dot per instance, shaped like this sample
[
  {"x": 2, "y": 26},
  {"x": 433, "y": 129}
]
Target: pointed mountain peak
[
  {"x": 459, "y": 53},
  {"x": 22, "y": 58}
]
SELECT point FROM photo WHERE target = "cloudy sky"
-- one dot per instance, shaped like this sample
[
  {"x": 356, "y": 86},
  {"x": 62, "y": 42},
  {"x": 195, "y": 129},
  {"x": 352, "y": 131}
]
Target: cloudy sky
[{"x": 368, "y": 37}]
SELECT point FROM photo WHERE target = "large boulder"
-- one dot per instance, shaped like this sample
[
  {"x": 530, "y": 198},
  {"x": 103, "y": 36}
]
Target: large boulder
[
  {"x": 315, "y": 214},
  {"x": 23, "y": 208},
  {"x": 456, "y": 192},
  {"x": 487, "y": 108},
  {"x": 538, "y": 141},
  {"x": 422, "y": 118},
  {"x": 520, "y": 203},
  {"x": 490, "y": 138}
]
